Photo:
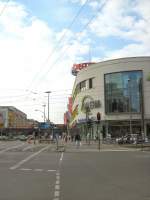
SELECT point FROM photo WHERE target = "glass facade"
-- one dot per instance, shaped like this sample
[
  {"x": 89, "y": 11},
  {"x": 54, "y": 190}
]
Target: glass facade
[{"x": 122, "y": 92}]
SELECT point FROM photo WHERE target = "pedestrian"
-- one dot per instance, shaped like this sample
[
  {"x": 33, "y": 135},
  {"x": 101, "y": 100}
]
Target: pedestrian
[
  {"x": 78, "y": 140},
  {"x": 66, "y": 138},
  {"x": 72, "y": 138}
]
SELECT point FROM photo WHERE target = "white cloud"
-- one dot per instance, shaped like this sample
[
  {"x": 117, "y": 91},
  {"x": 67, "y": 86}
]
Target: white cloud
[
  {"x": 128, "y": 21},
  {"x": 25, "y": 44},
  {"x": 131, "y": 50},
  {"x": 78, "y": 1}
]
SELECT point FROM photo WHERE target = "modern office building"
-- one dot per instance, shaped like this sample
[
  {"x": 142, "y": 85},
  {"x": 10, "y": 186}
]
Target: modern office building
[{"x": 119, "y": 90}]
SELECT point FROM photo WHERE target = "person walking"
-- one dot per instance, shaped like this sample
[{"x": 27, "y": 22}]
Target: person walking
[{"x": 78, "y": 140}]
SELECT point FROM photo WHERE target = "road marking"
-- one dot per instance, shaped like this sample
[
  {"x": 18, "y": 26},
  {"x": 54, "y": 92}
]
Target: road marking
[
  {"x": 31, "y": 146},
  {"x": 119, "y": 150},
  {"x": 57, "y": 182},
  {"x": 38, "y": 170},
  {"x": 56, "y": 194},
  {"x": 51, "y": 170},
  {"x": 9, "y": 148},
  {"x": 61, "y": 158},
  {"x": 28, "y": 158},
  {"x": 25, "y": 169},
  {"x": 58, "y": 177},
  {"x": 28, "y": 147},
  {"x": 57, "y": 187}
]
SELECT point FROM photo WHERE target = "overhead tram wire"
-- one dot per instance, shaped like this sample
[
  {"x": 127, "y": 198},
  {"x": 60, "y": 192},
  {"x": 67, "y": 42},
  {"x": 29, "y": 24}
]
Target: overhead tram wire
[
  {"x": 59, "y": 42},
  {"x": 64, "y": 52},
  {"x": 3, "y": 9}
]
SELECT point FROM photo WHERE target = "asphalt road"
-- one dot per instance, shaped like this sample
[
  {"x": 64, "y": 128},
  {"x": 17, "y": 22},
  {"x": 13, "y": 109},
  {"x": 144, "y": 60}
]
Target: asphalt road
[{"x": 34, "y": 172}]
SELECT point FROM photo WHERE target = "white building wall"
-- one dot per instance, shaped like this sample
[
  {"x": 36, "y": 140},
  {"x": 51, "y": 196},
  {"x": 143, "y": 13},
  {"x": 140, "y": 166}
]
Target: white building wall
[{"x": 97, "y": 92}]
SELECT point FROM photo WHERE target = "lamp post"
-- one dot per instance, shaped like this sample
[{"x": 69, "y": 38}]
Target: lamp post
[
  {"x": 48, "y": 92},
  {"x": 130, "y": 105},
  {"x": 44, "y": 111},
  {"x": 41, "y": 112}
]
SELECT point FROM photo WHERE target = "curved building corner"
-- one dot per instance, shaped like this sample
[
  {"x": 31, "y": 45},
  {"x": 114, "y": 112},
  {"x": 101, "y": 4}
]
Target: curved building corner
[{"x": 119, "y": 90}]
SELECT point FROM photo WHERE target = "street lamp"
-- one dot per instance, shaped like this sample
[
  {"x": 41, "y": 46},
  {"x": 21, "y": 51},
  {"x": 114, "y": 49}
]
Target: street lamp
[
  {"x": 44, "y": 111},
  {"x": 41, "y": 112},
  {"x": 48, "y": 92}
]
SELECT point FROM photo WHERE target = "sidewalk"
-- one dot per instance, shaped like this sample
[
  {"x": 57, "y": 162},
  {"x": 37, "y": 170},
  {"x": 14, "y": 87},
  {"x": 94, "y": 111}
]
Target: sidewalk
[{"x": 94, "y": 147}]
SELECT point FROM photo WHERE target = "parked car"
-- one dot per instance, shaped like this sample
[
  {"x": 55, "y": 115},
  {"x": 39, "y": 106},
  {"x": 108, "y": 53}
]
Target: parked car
[
  {"x": 21, "y": 137},
  {"x": 3, "y": 137}
]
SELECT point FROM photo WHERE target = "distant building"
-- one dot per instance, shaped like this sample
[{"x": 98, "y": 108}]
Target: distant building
[{"x": 11, "y": 117}]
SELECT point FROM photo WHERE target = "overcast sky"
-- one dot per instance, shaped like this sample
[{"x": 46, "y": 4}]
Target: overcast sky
[{"x": 41, "y": 39}]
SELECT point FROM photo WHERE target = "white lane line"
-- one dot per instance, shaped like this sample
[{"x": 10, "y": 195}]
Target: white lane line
[
  {"x": 25, "y": 169},
  {"x": 31, "y": 146},
  {"x": 9, "y": 148},
  {"x": 58, "y": 177},
  {"x": 57, "y": 182},
  {"x": 115, "y": 150},
  {"x": 61, "y": 158},
  {"x": 56, "y": 194},
  {"x": 28, "y": 147},
  {"x": 28, "y": 158},
  {"x": 39, "y": 170},
  {"x": 57, "y": 187},
  {"x": 51, "y": 170}
]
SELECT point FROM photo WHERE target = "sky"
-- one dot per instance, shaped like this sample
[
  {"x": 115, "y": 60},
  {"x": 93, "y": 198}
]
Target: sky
[{"x": 41, "y": 40}]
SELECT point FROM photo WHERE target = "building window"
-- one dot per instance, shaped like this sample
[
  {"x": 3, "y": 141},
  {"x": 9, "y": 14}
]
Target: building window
[
  {"x": 122, "y": 92},
  {"x": 83, "y": 85},
  {"x": 90, "y": 83}
]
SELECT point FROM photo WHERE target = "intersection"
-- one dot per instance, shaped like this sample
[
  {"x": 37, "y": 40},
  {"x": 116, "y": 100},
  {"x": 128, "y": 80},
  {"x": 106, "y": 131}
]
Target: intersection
[{"x": 38, "y": 172}]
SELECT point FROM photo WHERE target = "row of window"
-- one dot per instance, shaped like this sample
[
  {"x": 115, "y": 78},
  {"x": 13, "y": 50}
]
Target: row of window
[
  {"x": 82, "y": 86},
  {"x": 122, "y": 92}
]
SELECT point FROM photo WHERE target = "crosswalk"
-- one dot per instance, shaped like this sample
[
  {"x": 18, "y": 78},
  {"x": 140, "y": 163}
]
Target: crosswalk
[{"x": 17, "y": 146}]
